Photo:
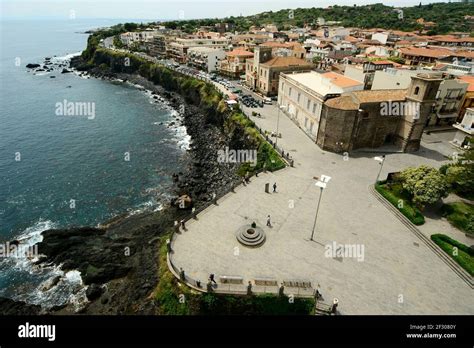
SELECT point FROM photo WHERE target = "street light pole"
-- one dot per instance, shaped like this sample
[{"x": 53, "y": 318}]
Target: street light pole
[
  {"x": 317, "y": 210},
  {"x": 382, "y": 161},
  {"x": 321, "y": 183}
]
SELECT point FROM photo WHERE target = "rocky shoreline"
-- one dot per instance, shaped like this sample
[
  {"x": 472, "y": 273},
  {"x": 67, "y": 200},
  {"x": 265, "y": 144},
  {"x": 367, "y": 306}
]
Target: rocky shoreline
[{"x": 118, "y": 260}]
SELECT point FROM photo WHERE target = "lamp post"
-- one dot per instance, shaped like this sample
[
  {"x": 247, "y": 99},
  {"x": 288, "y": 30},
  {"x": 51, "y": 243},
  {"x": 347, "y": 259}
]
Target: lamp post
[
  {"x": 280, "y": 107},
  {"x": 381, "y": 160},
  {"x": 321, "y": 183}
]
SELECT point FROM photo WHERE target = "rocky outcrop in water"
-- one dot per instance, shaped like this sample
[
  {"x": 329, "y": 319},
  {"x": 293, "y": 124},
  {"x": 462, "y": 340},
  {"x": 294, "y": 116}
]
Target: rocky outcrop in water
[{"x": 119, "y": 261}]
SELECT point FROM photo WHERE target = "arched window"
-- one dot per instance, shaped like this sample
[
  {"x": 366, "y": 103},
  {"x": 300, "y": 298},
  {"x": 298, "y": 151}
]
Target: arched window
[{"x": 417, "y": 90}]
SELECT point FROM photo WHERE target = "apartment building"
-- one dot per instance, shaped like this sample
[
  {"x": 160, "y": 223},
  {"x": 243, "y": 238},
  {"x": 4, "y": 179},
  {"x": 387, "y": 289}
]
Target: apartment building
[
  {"x": 417, "y": 55},
  {"x": 448, "y": 103},
  {"x": 262, "y": 73},
  {"x": 235, "y": 62},
  {"x": 302, "y": 95},
  {"x": 178, "y": 49},
  {"x": 204, "y": 58},
  {"x": 465, "y": 129}
]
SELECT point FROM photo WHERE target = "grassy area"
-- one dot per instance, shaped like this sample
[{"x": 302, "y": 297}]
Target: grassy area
[
  {"x": 461, "y": 253},
  {"x": 169, "y": 291},
  {"x": 394, "y": 194},
  {"x": 460, "y": 215},
  {"x": 254, "y": 305}
]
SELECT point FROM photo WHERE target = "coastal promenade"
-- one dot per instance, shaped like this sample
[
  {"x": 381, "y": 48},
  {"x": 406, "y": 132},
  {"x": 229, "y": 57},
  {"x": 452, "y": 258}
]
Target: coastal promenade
[{"x": 397, "y": 274}]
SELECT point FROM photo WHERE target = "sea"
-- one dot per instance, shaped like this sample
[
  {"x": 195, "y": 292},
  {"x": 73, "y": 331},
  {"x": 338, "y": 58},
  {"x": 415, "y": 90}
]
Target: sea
[{"x": 60, "y": 169}]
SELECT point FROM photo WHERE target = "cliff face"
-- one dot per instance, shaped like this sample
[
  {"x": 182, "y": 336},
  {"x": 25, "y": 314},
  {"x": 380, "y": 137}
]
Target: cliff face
[{"x": 119, "y": 261}]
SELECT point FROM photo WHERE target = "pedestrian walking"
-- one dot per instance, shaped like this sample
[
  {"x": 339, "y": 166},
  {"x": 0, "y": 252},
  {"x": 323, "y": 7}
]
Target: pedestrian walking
[
  {"x": 249, "y": 288},
  {"x": 211, "y": 278},
  {"x": 182, "y": 276},
  {"x": 274, "y": 187},
  {"x": 269, "y": 222},
  {"x": 183, "y": 225},
  {"x": 317, "y": 293}
]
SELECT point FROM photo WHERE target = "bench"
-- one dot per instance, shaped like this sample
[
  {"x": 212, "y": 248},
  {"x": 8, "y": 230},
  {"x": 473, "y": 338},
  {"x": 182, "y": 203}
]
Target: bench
[
  {"x": 265, "y": 282},
  {"x": 231, "y": 280},
  {"x": 297, "y": 283}
]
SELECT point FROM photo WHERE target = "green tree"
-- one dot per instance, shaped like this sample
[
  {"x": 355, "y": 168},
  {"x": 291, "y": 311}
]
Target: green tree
[
  {"x": 424, "y": 184},
  {"x": 130, "y": 26},
  {"x": 460, "y": 174},
  {"x": 117, "y": 42}
]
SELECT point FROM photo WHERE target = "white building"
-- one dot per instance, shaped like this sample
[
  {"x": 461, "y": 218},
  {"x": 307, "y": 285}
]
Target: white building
[
  {"x": 465, "y": 129},
  {"x": 301, "y": 96},
  {"x": 205, "y": 58},
  {"x": 380, "y": 37}
]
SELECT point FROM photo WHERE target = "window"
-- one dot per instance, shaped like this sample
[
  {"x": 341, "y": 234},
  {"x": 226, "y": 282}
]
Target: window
[
  {"x": 308, "y": 104},
  {"x": 289, "y": 92},
  {"x": 417, "y": 90},
  {"x": 306, "y": 122},
  {"x": 314, "y": 108},
  {"x": 299, "y": 95}
]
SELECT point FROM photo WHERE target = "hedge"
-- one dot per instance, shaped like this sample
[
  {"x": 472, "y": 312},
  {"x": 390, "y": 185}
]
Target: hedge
[
  {"x": 411, "y": 213},
  {"x": 465, "y": 254}
]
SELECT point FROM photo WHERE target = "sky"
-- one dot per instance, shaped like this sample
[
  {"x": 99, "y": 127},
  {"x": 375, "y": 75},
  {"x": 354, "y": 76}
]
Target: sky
[{"x": 166, "y": 9}]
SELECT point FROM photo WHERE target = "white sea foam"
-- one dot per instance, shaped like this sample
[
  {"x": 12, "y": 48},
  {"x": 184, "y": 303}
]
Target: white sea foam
[
  {"x": 69, "y": 288},
  {"x": 66, "y": 57}
]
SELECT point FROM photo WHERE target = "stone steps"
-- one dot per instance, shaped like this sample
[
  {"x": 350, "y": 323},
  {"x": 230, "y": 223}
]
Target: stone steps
[{"x": 428, "y": 242}]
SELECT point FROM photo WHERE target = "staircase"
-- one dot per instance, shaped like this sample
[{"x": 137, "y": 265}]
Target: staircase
[{"x": 428, "y": 242}]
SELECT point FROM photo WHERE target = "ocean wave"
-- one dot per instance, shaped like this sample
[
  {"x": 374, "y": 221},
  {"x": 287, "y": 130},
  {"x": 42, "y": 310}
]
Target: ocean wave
[
  {"x": 66, "y": 57},
  {"x": 68, "y": 287}
]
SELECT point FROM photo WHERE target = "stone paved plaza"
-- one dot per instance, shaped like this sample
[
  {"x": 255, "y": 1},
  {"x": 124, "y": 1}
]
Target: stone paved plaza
[{"x": 396, "y": 264}]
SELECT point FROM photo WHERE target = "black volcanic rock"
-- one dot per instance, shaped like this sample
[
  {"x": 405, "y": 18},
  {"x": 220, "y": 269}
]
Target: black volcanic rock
[
  {"x": 32, "y": 66},
  {"x": 94, "y": 291},
  {"x": 11, "y": 307}
]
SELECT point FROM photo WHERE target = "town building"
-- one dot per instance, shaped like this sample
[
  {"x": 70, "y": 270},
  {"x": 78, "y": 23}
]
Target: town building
[
  {"x": 370, "y": 119},
  {"x": 262, "y": 73},
  {"x": 465, "y": 130},
  {"x": 448, "y": 103},
  {"x": 417, "y": 55},
  {"x": 359, "y": 118},
  {"x": 468, "y": 100},
  {"x": 302, "y": 96},
  {"x": 234, "y": 63},
  {"x": 178, "y": 49},
  {"x": 204, "y": 58}
]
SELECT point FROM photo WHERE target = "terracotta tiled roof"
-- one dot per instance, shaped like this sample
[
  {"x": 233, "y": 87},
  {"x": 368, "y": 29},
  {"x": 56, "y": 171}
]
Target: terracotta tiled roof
[
  {"x": 378, "y": 96},
  {"x": 341, "y": 80},
  {"x": 342, "y": 103},
  {"x": 286, "y": 61},
  {"x": 351, "y": 39},
  {"x": 240, "y": 53},
  {"x": 276, "y": 44},
  {"x": 427, "y": 52},
  {"x": 464, "y": 54},
  {"x": 469, "y": 79},
  {"x": 382, "y": 62}
]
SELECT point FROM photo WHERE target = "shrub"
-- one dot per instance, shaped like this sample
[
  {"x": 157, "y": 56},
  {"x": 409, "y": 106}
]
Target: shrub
[
  {"x": 461, "y": 253},
  {"x": 424, "y": 184},
  {"x": 394, "y": 196}
]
